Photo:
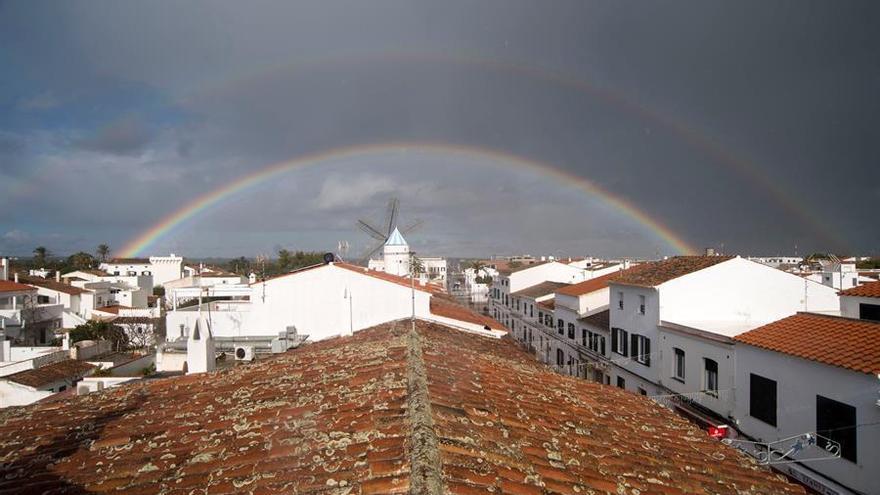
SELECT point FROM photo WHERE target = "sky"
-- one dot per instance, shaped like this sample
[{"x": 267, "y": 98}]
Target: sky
[{"x": 751, "y": 127}]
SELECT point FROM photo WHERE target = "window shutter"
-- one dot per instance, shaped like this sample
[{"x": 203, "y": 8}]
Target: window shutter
[
  {"x": 624, "y": 343},
  {"x": 634, "y": 345},
  {"x": 614, "y": 337},
  {"x": 647, "y": 352}
]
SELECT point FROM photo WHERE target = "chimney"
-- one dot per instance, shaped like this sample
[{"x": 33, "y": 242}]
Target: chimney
[
  {"x": 5, "y": 350},
  {"x": 201, "y": 355},
  {"x": 4, "y": 269},
  {"x": 16, "y": 277},
  {"x": 57, "y": 275}
]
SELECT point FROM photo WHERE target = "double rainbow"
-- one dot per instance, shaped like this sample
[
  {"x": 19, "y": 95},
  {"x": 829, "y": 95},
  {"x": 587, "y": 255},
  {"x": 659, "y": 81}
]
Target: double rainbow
[{"x": 142, "y": 243}]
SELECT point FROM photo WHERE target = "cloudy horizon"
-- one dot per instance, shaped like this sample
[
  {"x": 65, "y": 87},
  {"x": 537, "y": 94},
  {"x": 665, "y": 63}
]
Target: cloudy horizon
[{"x": 748, "y": 127}]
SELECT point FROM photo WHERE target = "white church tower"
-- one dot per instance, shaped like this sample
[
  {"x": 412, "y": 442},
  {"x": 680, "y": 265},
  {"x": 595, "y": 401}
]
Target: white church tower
[{"x": 396, "y": 254}]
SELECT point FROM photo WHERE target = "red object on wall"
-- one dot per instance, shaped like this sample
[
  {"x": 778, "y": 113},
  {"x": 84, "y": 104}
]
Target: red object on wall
[{"x": 718, "y": 432}]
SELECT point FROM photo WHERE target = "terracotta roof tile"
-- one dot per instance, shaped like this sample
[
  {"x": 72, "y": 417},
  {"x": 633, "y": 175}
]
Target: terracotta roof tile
[
  {"x": 383, "y": 411},
  {"x": 602, "y": 319},
  {"x": 50, "y": 284},
  {"x": 508, "y": 269},
  {"x": 655, "y": 273},
  {"x": 587, "y": 286},
  {"x": 129, "y": 261},
  {"x": 448, "y": 309},
  {"x": 548, "y": 304},
  {"x": 833, "y": 340},
  {"x": 542, "y": 289},
  {"x": 871, "y": 289},
  {"x": 62, "y": 370},
  {"x": 10, "y": 286}
]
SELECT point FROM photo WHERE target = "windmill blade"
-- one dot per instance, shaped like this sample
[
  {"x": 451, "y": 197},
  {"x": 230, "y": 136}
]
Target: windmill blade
[
  {"x": 412, "y": 227},
  {"x": 371, "y": 231},
  {"x": 391, "y": 216},
  {"x": 366, "y": 258}
]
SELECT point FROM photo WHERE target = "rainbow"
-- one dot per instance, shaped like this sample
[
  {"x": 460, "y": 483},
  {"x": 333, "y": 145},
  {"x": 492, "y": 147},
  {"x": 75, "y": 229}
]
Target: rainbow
[{"x": 145, "y": 240}]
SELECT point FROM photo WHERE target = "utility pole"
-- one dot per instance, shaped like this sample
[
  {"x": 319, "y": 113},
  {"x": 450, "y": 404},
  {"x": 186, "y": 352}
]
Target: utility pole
[{"x": 412, "y": 285}]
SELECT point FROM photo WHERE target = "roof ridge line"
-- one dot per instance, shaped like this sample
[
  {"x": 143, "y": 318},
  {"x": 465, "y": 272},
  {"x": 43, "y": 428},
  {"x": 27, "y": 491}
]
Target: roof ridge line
[{"x": 425, "y": 463}]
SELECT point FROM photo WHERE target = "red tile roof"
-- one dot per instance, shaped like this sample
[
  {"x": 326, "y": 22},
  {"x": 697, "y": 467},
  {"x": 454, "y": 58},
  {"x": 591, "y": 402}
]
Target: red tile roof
[
  {"x": 129, "y": 261},
  {"x": 548, "y": 304},
  {"x": 539, "y": 290},
  {"x": 519, "y": 266},
  {"x": 383, "y": 411},
  {"x": 52, "y": 285},
  {"x": 587, "y": 286},
  {"x": 602, "y": 319},
  {"x": 112, "y": 309},
  {"x": 447, "y": 309},
  {"x": 10, "y": 286},
  {"x": 833, "y": 340},
  {"x": 655, "y": 273},
  {"x": 871, "y": 289},
  {"x": 69, "y": 369},
  {"x": 405, "y": 281}
]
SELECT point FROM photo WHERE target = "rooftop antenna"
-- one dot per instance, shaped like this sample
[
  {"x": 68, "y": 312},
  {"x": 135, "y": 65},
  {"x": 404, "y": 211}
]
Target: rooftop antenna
[
  {"x": 342, "y": 248},
  {"x": 381, "y": 231}
]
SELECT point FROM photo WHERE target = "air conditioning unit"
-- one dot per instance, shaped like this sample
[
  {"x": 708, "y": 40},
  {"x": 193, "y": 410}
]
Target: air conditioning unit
[{"x": 244, "y": 353}]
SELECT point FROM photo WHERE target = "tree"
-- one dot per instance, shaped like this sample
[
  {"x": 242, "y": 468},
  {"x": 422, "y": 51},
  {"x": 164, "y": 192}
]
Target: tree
[
  {"x": 81, "y": 261},
  {"x": 100, "y": 330},
  {"x": 418, "y": 266},
  {"x": 102, "y": 252},
  {"x": 41, "y": 256},
  {"x": 285, "y": 260}
]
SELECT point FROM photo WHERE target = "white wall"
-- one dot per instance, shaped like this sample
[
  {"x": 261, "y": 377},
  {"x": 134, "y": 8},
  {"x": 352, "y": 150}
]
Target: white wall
[
  {"x": 696, "y": 350},
  {"x": 13, "y": 394},
  {"x": 798, "y": 381},
  {"x": 849, "y": 305},
  {"x": 314, "y": 302},
  {"x": 742, "y": 290}
]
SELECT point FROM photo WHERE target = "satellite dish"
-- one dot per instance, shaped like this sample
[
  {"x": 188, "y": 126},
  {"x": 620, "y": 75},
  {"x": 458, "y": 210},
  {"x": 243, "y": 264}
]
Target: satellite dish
[{"x": 329, "y": 258}]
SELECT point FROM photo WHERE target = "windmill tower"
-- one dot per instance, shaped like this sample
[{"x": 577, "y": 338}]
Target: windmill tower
[{"x": 389, "y": 238}]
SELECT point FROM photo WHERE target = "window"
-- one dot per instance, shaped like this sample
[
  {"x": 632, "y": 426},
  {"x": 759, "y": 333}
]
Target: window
[
  {"x": 837, "y": 421},
  {"x": 762, "y": 399},
  {"x": 540, "y": 317},
  {"x": 620, "y": 300},
  {"x": 710, "y": 377},
  {"x": 641, "y": 305},
  {"x": 571, "y": 331},
  {"x": 548, "y": 320},
  {"x": 869, "y": 312},
  {"x": 621, "y": 383},
  {"x": 618, "y": 341},
  {"x": 561, "y": 326},
  {"x": 678, "y": 364},
  {"x": 586, "y": 339},
  {"x": 642, "y": 391},
  {"x": 560, "y": 357},
  {"x": 42, "y": 299},
  {"x": 641, "y": 349},
  {"x": 531, "y": 310}
]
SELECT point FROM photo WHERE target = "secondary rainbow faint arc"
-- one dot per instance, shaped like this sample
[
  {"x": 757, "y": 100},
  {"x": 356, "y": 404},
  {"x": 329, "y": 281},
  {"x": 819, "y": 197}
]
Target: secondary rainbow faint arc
[{"x": 143, "y": 241}]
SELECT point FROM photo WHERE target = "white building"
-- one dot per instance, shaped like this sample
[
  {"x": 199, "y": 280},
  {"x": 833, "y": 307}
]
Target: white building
[
  {"x": 862, "y": 302},
  {"x": 131, "y": 290},
  {"x": 29, "y": 386},
  {"x": 396, "y": 256},
  {"x": 518, "y": 277},
  {"x": 673, "y": 321},
  {"x": 160, "y": 269},
  {"x": 814, "y": 374},
  {"x": 841, "y": 275},
  {"x": 778, "y": 261},
  {"x": 320, "y": 302},
  {"x": 26, "y": 318}
]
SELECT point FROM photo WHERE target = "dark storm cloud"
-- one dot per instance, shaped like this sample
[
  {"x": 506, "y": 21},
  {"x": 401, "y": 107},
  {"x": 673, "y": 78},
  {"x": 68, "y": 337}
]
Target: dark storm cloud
[
  {"x": 125, "y": 136},
  {"x": 747, "y": 124}
]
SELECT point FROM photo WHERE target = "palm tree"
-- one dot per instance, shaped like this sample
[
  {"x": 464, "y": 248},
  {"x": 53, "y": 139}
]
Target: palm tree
[
  {"x": 41, "y": 254},
  {"x": 102, "y": 251},
  {"x": 477, "y": 266}
]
